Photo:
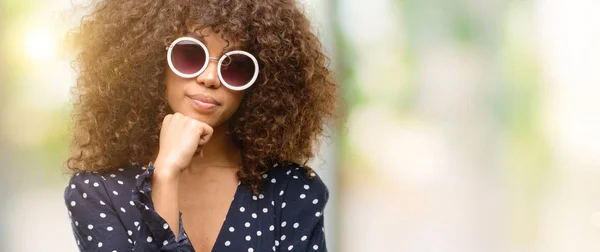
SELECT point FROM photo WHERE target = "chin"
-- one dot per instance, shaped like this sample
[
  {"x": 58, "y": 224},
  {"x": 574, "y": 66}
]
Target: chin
[{"x": 210, "y": 120}]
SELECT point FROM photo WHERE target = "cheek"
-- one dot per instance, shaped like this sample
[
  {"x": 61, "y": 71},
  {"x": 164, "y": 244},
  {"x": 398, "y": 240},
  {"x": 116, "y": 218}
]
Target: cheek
[
  {"x": 172, "y": 87},
  {"x": 234, "y": 100},
  {"x": 238, "y": 97}
]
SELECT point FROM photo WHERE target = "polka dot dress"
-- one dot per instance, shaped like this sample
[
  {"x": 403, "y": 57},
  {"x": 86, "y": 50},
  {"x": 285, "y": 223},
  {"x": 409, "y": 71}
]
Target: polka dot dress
[{"x": 114, "y": 212}]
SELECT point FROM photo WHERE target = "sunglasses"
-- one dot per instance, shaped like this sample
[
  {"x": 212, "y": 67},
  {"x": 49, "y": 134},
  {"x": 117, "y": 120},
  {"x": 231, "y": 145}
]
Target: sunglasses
[{"x": 188, "y": 58}]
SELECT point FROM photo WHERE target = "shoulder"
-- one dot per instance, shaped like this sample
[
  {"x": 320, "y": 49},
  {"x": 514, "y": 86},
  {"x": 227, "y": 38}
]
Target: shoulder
[
  {"x": 98, "y": 179},
  {"x": 84, "y": 184},
  {"x": 297, "y": 182}
]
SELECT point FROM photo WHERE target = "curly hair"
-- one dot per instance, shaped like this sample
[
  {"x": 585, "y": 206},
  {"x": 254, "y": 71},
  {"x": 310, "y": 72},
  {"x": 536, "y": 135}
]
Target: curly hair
[{"x": 119, "y": 100}]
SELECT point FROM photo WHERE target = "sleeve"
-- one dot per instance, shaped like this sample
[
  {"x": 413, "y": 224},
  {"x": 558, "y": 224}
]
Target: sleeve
[
  {"x": 97, "y": 226},
  {"x": 301, "y": 203},
  {"x": 94, "y": 221},
  {"x": 158, "y": 235}
]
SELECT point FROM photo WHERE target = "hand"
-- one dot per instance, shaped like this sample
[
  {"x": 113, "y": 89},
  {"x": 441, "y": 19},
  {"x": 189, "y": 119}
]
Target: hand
[{"x": 181, "y": 137}]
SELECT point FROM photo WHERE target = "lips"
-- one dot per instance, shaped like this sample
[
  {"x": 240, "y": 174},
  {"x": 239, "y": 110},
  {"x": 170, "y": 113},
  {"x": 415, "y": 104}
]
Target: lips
[{"x": 204, "y": 99}]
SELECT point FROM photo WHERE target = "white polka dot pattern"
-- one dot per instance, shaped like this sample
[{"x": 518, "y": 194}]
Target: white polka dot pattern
[{"x": 115, "y": 213}]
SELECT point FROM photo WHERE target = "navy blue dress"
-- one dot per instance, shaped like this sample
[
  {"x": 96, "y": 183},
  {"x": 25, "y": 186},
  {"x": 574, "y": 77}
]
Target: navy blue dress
[{"x": 114, "y": 212}]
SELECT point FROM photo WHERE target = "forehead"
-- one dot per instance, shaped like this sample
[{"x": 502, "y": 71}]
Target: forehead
[{"x": 209, "y": 36}]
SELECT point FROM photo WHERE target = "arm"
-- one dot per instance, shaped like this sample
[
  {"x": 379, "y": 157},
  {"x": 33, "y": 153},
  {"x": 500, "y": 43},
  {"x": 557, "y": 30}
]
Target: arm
[
  {"x": 301, "y": 213},
  {"x": 180, "y": 138},
  {"x": 97, "y": 225},
  {"x": 165, "y": 196},
  {"x": 94, "y": 221},
  {"x": 158, "y": 229}
]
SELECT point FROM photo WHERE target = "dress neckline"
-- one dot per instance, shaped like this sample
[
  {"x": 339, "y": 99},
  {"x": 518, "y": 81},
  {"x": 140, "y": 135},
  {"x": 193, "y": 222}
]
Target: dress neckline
[{"x": 236, "y": 197}]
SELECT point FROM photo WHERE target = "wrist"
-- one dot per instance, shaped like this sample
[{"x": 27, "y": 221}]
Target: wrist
[
  {"x": 164, "y": 170},
  {"x": 160, "y": 176}
]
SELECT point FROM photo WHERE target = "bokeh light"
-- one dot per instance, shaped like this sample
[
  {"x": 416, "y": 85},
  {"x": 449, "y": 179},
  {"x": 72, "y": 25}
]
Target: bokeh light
[{"x": 471, "y": 125}]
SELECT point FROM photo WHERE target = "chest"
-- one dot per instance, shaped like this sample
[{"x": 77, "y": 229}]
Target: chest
[{"x": 204, "y": 207}]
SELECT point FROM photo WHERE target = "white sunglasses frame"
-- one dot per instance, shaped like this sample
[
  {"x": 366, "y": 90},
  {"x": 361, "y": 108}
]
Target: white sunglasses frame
[{"x": 208, "y": 58}]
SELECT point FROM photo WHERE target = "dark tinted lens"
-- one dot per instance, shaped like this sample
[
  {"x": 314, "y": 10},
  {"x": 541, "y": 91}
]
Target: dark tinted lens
[
  {"x": 237, "y": 70},
  {"x": 188, "y": 57}
]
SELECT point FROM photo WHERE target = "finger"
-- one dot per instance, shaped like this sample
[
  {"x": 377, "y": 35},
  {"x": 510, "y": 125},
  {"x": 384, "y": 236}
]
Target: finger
[
  {"x": 167, "y": 118},
  {"x": 178, "y": 115},
  {"x": 206, "y": 133},
  {"x": 195, "y": 127},
  {"x": 203, "y": 130},
  {"x": 198, "y": 151}
]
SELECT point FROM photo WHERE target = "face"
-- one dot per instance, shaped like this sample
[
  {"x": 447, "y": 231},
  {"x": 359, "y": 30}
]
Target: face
[{"x": 204, "y": 98}]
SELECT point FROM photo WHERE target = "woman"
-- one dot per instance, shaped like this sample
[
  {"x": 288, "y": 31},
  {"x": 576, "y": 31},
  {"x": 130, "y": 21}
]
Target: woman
[{"x": 193, "y": 123}]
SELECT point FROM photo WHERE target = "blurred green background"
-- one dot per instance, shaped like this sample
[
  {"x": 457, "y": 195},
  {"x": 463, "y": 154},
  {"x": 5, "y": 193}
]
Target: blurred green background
[{"x": 471, "y": 125}]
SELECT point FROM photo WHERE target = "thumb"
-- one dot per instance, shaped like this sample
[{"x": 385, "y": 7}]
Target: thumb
[{"x": 199, "y": 151}]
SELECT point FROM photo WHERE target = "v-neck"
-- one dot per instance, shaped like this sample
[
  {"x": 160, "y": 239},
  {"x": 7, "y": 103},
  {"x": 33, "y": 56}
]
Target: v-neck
[
  {"x": 253, "y": 223},
  {"x": 236, "y": 196}
]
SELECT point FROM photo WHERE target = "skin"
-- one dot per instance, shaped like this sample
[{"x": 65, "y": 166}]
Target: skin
[{"x": 195, "y": 154}]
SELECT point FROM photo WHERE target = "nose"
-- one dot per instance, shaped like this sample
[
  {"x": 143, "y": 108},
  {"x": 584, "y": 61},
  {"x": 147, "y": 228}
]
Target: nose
[{"x": 210, "y": 76}]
